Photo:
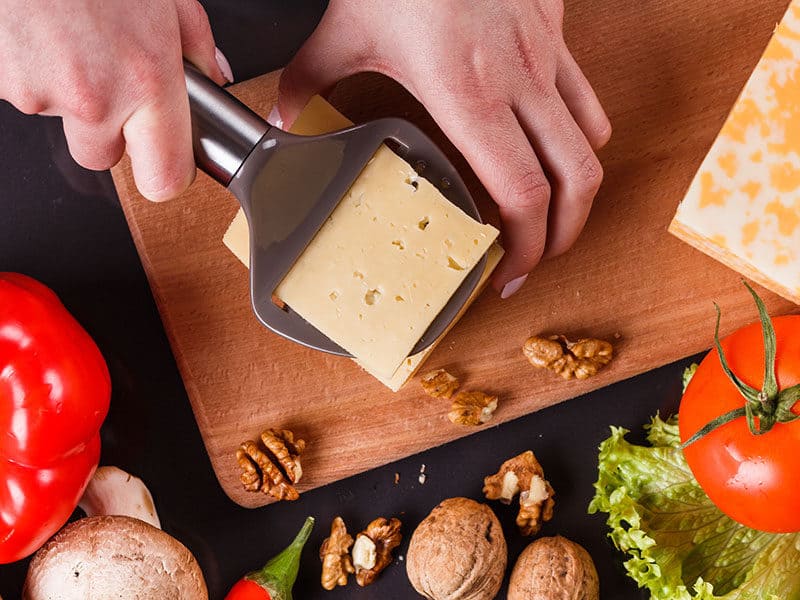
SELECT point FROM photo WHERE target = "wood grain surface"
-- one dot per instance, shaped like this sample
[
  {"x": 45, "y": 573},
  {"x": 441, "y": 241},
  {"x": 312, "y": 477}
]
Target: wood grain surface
[{"x": 667, "y": 73}]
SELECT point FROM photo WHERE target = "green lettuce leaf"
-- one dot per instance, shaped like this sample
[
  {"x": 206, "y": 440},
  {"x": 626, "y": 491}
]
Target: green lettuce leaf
[
  {"x": 680, "y": 546},
  {"x": 688, "y": 373}
]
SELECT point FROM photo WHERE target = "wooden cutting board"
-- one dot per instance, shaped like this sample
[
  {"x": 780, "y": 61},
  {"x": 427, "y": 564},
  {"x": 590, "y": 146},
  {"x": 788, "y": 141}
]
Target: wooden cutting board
[{"x": 667, "y": 73}]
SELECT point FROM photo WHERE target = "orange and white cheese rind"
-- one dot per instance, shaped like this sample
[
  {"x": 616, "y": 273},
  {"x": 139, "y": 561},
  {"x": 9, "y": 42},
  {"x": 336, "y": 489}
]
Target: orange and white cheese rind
[{"x": 743, "y": 206}]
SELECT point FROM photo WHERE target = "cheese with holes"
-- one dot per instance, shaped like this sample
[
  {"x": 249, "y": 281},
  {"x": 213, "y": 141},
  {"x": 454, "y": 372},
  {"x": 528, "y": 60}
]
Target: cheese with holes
[
  {"x": 388, "y": 259},
  {"x": 236, "y": 239},
  {"x": 743, "y": 206}
]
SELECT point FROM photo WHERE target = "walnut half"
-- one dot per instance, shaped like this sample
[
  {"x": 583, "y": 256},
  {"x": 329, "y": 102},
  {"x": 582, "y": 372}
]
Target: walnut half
[
  {"x": 523, "y": 475},
  {"x": 335, "y": 556},
  {"x": 472, "y": 408},
  {"x": 439, "y": 384},
  {"x": 581, "y": 359},
  {"x": 272, "y": 467},
  {"x": 372, "y": 552}
]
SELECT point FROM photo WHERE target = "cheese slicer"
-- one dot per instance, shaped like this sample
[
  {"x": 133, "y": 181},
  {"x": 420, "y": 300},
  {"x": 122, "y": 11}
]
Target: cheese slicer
[{"x": 288, "y": 185}]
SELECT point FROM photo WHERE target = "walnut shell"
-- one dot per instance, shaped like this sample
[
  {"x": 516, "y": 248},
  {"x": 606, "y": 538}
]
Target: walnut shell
[
  {"x": 458, "y": 552},
  {"x": 554, "y": 568}
]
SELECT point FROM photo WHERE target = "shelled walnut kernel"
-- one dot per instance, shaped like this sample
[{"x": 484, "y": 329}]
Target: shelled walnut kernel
[
  {"x": 335, "y": 556},
  {"x": 439, "y": 384},
  {"x": 523, "y": 475},
  {"x": 472, "y": 408},
  {"x": 372, "y": 551},
  {"x": 581, "y": 359},
  {"x": 272, "y": 467}
]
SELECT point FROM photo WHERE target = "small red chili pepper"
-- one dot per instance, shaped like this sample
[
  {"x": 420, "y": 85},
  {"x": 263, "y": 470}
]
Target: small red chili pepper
[{"x": 276, "y": 579}]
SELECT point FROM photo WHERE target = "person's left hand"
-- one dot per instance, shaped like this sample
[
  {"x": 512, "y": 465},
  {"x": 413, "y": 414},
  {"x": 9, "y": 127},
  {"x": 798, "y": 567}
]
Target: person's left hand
[{"x": 499, "y": 80}]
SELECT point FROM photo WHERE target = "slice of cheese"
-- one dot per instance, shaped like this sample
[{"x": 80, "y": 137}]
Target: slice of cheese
[
  {"x": 743, "y": 206},
  {"x": 237, "y": 240},
  {"x": 412, "y": 364},
  {"x": 389, "y": 258}
]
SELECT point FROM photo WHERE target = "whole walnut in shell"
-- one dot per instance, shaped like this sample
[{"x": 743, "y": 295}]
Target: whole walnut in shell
[
  {"x": 554, "y": 568},
  {"x": 458, "y": 552}
]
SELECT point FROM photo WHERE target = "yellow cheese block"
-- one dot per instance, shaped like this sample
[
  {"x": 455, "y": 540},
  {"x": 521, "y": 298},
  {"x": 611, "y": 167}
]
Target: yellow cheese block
[
  {"x": 390, "y": 257},
  {"x": 743, "y": 206}
]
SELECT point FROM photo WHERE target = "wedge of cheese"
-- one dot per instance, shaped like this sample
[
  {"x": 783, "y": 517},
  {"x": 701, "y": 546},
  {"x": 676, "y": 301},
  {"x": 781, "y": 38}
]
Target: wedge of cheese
[
  {"x": 743, "y": 206},
  {"x": 389, "y": 258}
]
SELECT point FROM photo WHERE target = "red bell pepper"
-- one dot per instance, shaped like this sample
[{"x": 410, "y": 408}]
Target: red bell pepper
[
  {"x": 274, "y": 581},
  {"x": 54, "y": 394}
]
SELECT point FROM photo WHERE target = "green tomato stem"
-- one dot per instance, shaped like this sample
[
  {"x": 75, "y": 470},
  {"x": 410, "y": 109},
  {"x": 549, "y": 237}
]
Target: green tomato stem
[{"x": 763, "y": 408}]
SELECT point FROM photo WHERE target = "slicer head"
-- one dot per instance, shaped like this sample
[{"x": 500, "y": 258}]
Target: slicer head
[{"x": 288, "y": 186}]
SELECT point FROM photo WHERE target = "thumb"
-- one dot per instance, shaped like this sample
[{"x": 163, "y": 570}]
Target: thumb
[
  {"x": 197, "y": 42},
  {"x": 327, "y": 57}
]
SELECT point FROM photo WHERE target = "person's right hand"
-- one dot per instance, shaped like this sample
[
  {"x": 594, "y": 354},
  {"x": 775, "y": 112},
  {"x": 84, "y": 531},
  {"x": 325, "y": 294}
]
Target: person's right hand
[
  {"x": 498, "y": 78},
  {"x": 113, "y": 70}
]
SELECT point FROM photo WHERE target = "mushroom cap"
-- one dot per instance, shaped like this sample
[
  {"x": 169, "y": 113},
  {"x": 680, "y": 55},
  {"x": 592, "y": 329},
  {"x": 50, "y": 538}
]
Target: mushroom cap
[
  {"x": 113, "y": 557},
  {"x": 554, "y": 568},
  {"x": 458, "y": 552}
]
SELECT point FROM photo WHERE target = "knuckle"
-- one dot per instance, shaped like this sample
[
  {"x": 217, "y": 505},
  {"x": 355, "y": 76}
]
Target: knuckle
[
  {"x": 86, "y": 102},
  {"x": 528, "y": 190},
  {"x": 148, "y": 72},
  {"x": 148, "y": 83},
  {"x": 586, "y": 176}
]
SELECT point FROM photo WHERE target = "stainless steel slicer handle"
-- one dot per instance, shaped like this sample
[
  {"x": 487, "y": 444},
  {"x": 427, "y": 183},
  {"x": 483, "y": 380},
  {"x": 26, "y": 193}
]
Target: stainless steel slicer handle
[{"x": 224, "y": 131}]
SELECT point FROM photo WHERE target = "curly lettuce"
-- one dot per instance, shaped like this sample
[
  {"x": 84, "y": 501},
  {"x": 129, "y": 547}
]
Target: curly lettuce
[{"x": 680, "y": 546}]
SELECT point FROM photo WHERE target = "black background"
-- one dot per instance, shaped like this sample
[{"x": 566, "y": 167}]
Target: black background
[{"x": 63, "y": 225}]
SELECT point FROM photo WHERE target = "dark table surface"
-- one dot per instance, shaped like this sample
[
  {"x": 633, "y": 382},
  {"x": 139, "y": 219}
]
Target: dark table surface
[{"x": 63, "y": 225}]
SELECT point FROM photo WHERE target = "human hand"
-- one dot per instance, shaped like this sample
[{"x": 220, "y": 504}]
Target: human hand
[
  {"x": 499, "y": 80},
  {"x": 113, "y": 71}
]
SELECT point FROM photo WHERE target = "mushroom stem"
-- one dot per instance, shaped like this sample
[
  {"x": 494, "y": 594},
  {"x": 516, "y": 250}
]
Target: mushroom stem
[{"x": 112, "y": 491}]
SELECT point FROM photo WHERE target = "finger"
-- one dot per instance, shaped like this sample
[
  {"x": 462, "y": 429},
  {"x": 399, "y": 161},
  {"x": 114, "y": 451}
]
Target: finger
[
  {"x": 573, "y": 169},
  {"x": 315, "y": 69},
  {"x": 197, "y": 42},
  {"x": 158, "y": 140},
  {"x": 581, "y": 99},
  {"x": 96, "y": 147},
  {"x": 503, "y": 159}
]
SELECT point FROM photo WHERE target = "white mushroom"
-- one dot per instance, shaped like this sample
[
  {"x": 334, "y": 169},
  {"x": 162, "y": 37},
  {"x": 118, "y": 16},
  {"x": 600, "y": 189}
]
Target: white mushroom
[
  {"x": 113, "y": 557},
  {"x": 112, "y": 491}
]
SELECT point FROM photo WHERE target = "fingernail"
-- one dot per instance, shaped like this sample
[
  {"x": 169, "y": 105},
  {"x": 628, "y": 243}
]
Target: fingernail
[
  {"x": 274, "y": 118},
  {"x": 224, "y": 65},
  {"x": 512, "y": 287}
]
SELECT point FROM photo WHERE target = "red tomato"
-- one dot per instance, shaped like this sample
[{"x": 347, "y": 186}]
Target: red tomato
[{"x": 754, "y": 479}]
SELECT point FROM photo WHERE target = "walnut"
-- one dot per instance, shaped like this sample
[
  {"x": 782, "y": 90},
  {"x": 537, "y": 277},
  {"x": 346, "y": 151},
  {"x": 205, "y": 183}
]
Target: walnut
[
  {"x": 439, "y": 384},
  {"x": 372, "y": 552},
  {"x": 580, "y": 359},
  {"x": 554, "y": 567},
  {"x": 272, "y": 467},
  {"x": 458, "y": 552},
  {"x": 523, "y": 475},
  {"x": 472, "y": 408},
  {"x": 335, "y": 556}
]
